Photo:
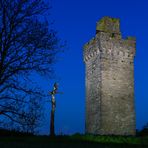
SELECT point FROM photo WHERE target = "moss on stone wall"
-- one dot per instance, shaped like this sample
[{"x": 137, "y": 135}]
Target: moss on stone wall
[
  {"x": 131, "y": 38},
  {"x": 108, "y": 24}
]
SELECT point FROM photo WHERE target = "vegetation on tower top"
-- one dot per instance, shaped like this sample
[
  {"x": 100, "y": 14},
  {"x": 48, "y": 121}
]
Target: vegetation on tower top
[{"x": 108, "y": 24}]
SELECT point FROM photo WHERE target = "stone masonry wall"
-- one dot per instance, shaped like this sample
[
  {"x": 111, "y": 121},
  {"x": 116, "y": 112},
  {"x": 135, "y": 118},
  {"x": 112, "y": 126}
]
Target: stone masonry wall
[{"x": 117, "y": 91}]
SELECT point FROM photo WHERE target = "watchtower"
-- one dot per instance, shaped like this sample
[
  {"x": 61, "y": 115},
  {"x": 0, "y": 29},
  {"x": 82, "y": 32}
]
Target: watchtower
[{"x": 110, "y": 81}]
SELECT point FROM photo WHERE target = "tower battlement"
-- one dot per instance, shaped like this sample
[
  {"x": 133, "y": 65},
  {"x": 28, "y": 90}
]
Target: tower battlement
[
  {"x": 110, "y": 80},
  {"x": 108, "y": 35}
]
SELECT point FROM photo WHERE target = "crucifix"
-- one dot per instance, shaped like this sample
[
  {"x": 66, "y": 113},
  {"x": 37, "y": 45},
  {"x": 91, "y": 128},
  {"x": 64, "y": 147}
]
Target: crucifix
[{"x": 53, "y": 106}]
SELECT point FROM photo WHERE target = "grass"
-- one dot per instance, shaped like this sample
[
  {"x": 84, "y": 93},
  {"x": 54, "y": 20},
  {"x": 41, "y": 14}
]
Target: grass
[
  {"x": 112, "y": 139},
  {"x": 74, "y": 141}
]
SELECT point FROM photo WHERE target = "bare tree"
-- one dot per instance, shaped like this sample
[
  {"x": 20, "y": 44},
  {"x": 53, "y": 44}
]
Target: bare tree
[
  {"x": 33, "y": 117},
  {"x": 27, "y": 44}
]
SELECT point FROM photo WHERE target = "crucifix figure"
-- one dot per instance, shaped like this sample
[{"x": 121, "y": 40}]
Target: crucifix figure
[{"x": 53, "y": 106}]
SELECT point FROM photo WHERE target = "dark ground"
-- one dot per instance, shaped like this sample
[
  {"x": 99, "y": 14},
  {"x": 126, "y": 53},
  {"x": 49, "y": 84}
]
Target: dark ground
[
  {"x": 12, "y": 139},
  {"x": 58, "y": 142}
]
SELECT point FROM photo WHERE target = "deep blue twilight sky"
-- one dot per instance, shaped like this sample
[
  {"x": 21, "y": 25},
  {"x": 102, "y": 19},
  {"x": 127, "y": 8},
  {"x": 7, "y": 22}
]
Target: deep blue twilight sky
[{"x": 75, "y": 21}]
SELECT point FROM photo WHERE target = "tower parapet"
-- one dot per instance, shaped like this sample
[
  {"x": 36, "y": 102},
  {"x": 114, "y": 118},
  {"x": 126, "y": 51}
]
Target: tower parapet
[{"x": 108, "y": 35}]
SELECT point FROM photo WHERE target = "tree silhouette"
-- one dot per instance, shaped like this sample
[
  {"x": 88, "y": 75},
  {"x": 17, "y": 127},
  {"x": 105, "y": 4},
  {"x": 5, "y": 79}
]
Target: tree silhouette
[
  {"x": 144, "y": 131},
  {"x": 27, "y": 45}
]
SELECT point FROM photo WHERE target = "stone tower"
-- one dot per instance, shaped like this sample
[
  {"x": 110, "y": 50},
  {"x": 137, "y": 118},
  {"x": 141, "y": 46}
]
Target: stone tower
[{"x": 110, "y": 81}]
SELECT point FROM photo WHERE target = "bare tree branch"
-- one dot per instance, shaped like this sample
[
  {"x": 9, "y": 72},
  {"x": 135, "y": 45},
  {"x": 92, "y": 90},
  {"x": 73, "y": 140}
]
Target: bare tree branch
[{"x": 27, "y": 44}]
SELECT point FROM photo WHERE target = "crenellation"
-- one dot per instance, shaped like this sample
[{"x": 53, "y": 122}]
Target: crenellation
[
  {"x": 110, "y": 47},
  {"x": 90, "y": 44}
]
